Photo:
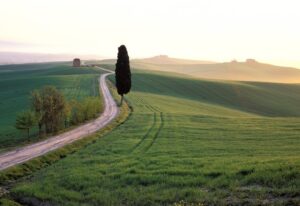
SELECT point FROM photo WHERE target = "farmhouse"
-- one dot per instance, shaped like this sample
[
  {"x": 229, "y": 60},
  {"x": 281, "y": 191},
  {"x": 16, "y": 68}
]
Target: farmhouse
[{"x": 76, "y": 62}]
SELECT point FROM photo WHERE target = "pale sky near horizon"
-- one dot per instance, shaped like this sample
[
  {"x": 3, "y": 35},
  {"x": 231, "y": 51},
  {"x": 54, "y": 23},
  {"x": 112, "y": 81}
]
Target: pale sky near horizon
[{"x": 267, "y": 30}]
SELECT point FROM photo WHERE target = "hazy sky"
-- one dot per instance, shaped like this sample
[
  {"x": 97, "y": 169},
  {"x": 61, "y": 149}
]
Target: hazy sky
[{"x": 268, "y": 30}]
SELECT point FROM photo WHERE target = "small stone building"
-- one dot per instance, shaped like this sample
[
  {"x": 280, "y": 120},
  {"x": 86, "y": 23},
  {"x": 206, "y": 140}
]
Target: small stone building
[{"x": 76, "y": 62}]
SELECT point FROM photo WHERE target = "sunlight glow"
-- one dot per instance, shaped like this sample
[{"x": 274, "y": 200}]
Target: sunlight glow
[{"x": 213, "y": 30}]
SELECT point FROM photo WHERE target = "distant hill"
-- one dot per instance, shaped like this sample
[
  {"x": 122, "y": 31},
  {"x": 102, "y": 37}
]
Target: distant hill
[
  {"x": 164, "y": 59},
  {"x": 250, "y": 70},
  {"x": 104, "y": 61},
  {"x": 21, "y": 58},
  {"x": 157, "y": 60}
]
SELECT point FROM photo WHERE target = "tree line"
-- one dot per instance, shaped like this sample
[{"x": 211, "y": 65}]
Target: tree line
[{"x": 50, "y": 111}]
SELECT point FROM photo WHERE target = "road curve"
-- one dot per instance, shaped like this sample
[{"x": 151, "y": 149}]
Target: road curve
[{"x": 26, "y": 153}]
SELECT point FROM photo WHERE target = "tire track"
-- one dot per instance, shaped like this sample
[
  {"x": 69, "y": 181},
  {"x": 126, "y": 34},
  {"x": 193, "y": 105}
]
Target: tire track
[
  {"x": 161, "y": 125},
  {"x": 143, "y": 144},
  {"x": 146, "y": 134}
]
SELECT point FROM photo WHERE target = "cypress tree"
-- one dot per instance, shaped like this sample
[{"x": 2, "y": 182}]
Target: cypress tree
[{"x": 123, "y": 74}]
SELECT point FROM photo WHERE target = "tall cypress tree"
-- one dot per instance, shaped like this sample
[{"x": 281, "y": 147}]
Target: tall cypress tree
[{"x": 123, "y": 74}]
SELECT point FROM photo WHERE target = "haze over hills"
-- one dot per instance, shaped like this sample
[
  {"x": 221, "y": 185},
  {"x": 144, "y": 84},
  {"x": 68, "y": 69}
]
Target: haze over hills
[
  {"x": 164, "y": 59},
  {"x": 251, "y": 70},
  {"x": 22, "y": 57}
]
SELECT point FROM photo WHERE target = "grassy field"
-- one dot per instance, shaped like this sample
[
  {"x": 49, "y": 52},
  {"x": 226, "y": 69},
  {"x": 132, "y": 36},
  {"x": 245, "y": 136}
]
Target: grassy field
[
  {"x": 189, "y": 142},
  {"x": 17, "y": 81}
]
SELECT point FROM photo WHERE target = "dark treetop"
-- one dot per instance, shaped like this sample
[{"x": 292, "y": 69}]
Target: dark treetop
[{"x": 123, "y": 74}]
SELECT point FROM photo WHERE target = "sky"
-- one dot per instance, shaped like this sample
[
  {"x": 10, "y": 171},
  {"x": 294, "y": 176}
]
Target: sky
[{"x": 266, "y": 30}]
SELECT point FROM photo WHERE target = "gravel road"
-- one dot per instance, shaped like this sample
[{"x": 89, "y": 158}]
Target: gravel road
[{"x": 26, "y": 153}]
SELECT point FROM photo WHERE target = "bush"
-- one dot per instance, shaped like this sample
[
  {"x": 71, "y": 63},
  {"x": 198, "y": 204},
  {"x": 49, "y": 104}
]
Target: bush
[{"x": 85, "y": 110}]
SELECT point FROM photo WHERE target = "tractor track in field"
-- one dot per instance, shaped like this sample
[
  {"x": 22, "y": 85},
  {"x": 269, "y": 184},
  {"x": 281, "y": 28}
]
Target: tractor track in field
[
  {"x": 23, "y": 154},
  {"x": 161, "y": 125},
  {"x": 146, "y": 134},
  {"x": 147, "y": 139},
  {"x": 152, "y": 108}
]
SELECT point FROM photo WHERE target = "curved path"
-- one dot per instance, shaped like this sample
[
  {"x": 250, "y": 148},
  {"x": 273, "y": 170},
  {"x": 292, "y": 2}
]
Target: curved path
[{"x": 25, "y": 153}]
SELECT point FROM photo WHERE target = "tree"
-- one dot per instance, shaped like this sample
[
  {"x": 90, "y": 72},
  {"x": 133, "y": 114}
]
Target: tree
[
  {"x": 84, "y": 110},
  {"x": 53, "y": 108},
  {"x": 77, "y": 113},
  {"x": 49, "y": 106},
  {"x": 67, "y": 113},
  {"x": 123, "y": 74},
  {"x": 25, "y": 121},
  {"x": 37, "y": 106}
]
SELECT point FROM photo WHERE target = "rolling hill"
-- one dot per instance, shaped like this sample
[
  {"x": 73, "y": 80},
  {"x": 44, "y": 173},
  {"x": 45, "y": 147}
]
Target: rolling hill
[
  {"x": 187, "y": 142},
  {"x": 250, "y": 70},
  {"x": 164, "y": 59}
]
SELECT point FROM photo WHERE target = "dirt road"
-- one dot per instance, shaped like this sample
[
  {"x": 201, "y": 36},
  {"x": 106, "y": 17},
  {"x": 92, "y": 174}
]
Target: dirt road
[{"x": 25, "y": 153}]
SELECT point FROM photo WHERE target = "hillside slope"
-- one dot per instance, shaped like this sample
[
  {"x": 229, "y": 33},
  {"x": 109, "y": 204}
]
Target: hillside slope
[
  {"x": 239, "y": 71},
  {"x": 164, "y": 59},
  {"x": 268, "y": 99},
  {"x": 250, "y": 70}
]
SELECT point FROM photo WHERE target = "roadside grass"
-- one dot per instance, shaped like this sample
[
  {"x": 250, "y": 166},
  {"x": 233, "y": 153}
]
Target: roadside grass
[
  {"x": 16, "y": 85},
  {"x": 181, "y": 146},
  {"x": 8, "y": 202}
]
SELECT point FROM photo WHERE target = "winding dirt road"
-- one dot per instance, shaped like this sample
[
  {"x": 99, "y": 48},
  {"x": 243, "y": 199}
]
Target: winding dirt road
[{"x": 26, "y": 153}]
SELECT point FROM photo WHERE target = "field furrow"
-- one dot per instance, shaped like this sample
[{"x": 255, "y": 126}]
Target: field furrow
[
  {"x": 136, "y": 149},
  {"x": 156, "y": 135}
]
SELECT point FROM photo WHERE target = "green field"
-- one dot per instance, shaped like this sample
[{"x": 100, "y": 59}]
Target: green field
[
  {"x": 196, "y": 141},
  {"x": 17, "y": 81}
]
